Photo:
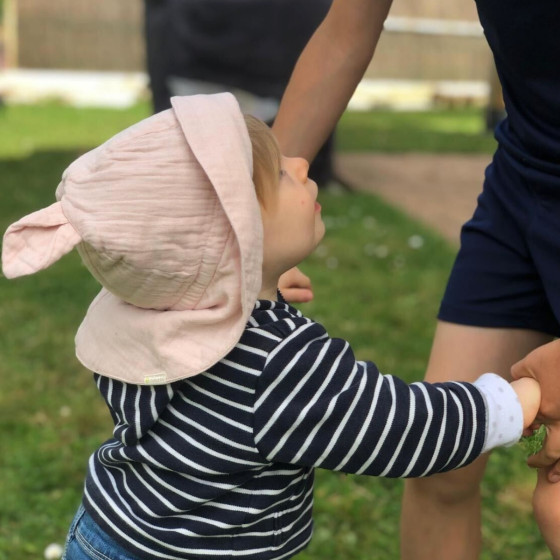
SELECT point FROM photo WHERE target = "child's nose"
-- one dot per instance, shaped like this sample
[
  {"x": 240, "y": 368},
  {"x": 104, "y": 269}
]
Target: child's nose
[{"x": 302, "y": 168}]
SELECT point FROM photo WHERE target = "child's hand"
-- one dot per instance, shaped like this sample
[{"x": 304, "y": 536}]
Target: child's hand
[
  {"x": 295, "y": 286},
  {"x": 529, "y": 395}
]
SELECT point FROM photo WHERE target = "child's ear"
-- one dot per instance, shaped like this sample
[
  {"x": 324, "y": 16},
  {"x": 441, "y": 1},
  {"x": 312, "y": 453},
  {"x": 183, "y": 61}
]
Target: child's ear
[{"x": 37, "y": 241}]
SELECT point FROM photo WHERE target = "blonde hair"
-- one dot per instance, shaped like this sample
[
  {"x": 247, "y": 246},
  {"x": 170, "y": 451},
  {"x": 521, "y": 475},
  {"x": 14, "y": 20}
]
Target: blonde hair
[{"x": 266, "y": 158}]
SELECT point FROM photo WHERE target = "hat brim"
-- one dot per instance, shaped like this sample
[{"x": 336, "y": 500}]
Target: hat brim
[{"x": 144, "y": 346}]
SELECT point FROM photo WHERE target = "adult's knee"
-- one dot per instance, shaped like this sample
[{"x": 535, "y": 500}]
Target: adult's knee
[{"x": 450, "y": 487}]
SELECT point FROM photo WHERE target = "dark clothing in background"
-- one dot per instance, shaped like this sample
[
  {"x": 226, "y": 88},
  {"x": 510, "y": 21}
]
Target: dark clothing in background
[{"x": 251, "y": 45}]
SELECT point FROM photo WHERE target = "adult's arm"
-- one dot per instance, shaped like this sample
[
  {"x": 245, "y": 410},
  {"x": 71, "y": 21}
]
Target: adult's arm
[
  {"x": 327, "y": 74},
  {"x": 543, "y": 364}
]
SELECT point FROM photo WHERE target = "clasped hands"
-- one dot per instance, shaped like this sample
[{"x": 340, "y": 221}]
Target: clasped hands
[{"x": 543, "y": 364}]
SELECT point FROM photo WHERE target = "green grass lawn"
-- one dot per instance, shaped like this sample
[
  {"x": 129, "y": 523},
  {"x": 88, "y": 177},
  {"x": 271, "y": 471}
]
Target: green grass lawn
[{"x": 371, "y": 287}]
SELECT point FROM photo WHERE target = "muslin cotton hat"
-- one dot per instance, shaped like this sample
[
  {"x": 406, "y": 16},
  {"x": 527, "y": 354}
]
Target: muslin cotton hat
[{"x": 166, "y": 217}]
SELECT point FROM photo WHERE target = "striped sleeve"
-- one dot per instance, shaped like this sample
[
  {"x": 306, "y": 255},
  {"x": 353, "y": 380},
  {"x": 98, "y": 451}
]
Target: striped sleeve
[{"x": 317, "y": 406}]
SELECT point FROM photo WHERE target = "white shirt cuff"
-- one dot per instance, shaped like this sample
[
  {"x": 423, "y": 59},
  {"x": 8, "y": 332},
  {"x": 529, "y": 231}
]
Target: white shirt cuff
[{"x": 505, "y": 415}]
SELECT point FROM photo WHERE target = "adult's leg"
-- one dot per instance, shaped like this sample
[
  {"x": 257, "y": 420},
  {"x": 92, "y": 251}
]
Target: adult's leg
[
  {"x": 441, "y": 514},
  {"x": 546, "y": 506}
]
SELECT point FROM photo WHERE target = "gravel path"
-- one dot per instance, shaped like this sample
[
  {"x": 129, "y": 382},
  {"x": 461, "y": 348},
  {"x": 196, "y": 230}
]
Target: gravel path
[{"x": 439, "y": 190}]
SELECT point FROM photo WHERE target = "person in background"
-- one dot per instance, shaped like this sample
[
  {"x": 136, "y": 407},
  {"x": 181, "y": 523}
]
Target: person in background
[{"x": 247, "y": 47}]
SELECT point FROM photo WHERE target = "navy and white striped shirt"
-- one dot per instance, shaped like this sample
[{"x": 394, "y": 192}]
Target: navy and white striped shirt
[{"x": 220, "y": 465}]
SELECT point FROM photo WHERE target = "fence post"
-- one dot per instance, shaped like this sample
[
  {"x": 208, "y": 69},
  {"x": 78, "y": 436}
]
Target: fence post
[{"x": 10, "y": 34}]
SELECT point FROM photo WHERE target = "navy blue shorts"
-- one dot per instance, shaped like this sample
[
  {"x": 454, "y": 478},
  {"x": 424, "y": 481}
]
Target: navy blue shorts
[{"x": 507, "y": 272}]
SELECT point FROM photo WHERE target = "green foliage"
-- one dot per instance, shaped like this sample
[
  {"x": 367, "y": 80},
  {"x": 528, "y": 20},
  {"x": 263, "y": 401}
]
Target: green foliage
[
  {"x": 27, "y": 129},
  {"x": 532, "y": 444},
  {"x": 443, "y": 131},
  {"x": 378, "y": 277}
]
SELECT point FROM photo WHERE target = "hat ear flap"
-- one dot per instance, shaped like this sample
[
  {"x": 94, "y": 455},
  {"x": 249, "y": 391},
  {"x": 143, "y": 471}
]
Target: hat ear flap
[{"x": 37, "y": 241}]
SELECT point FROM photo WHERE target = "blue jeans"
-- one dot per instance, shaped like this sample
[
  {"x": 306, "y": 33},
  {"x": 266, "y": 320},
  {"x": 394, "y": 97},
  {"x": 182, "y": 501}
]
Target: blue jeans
[{"x": 87, "y": 541}]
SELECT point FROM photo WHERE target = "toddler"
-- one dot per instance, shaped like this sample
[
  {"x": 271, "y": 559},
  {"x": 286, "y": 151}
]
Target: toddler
[{"x": 224, "y": 398}]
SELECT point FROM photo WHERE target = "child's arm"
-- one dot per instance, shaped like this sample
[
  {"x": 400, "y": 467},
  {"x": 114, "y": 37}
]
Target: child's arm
[{"x": 316, "y": 405}]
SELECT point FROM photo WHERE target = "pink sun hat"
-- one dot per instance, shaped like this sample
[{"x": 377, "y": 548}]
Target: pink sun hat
[{"x": 165, "y": 216}]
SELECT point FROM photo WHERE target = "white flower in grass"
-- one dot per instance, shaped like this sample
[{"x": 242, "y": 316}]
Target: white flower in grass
[
  {"x": 332, "y": 263},
  {"x": 322, "y": 251},
  {"x": 350, "y": 538},
  {"x": 382, "y": 252},
  {"x": 369, "y": 222},
  {"x": 415, "y": 241},
  {"x": 65, "y": 411},
  {"x": 369, "y": 249},
  {"x": 53, "y": 552},
  {"x": 322, "y": 534}
]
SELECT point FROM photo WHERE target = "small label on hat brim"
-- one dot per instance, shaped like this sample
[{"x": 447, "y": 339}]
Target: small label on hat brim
[{"x": 156, "y": 379}]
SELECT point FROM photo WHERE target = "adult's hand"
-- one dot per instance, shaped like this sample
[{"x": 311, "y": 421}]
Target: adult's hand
[
  {"x": 295, "y": 286},
  {"x": 543, "y": 364}
]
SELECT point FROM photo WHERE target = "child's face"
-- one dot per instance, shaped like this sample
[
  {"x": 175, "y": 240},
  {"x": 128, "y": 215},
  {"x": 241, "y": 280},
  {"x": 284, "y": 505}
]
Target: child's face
[{"x": 292, "y": 222}]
